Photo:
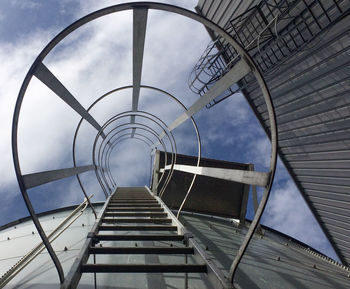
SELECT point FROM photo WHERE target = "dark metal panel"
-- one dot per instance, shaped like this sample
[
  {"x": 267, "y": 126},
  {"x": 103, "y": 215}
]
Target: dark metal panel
[{"x": 208, "y": 195}]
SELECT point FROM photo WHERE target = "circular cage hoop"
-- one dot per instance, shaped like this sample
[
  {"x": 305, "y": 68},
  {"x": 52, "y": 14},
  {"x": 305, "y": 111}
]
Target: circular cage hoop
[
  {"x": 246, "y": 59},
  {"x": 128, "y": 114},
  {"x": 162, "y": 190}
]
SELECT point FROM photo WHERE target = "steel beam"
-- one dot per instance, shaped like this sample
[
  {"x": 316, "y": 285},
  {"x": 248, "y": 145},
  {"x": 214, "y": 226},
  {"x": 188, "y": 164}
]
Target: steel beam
[
  {"x": 240, "y": 176},
  {"x": 37, "y": 179},
  {"x": 142, "y": 268},
  {"x": 240, "y": 70},
  {"x": 46, "y": 76},
  {"x": 139, "y": 34}
]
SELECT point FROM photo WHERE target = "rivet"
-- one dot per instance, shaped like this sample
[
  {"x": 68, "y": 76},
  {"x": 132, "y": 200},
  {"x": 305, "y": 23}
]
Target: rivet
[
  {"x": 15, "y": 227},
  {"x": 100, "y": 244},
  {"x": 314, "y": 266},
  {"x": 8, "y": 238},
  {"x": 207, "y": 248},
  {"x": 135, "y": 244},
  {"x": 171, "y": 244},
  {"x": 32, "y": 232},
  {"x": 82, "y": 225},
  {"x": 278, "y": 258},
  {"x": 53, "y": 217},
  {"x": 286, "y": 244},
  {"x": 65, "y": 248}
]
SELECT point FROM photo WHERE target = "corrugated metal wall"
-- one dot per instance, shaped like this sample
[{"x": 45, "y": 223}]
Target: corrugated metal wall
[
  {"x": 311, "y": 94},
  {"x": 271, "y": 261}
]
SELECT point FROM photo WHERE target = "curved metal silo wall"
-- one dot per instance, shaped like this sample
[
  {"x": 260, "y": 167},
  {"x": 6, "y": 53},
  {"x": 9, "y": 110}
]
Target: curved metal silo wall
[{"x": 272, "y": 261}]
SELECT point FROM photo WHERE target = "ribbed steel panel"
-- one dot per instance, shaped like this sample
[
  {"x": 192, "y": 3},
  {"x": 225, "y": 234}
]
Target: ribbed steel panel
[
  {"x": 311, "y": 94},
  {"x": 284, "y": 262}
]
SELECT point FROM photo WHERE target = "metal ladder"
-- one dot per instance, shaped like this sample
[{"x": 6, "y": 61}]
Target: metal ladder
[{"x": 137, "y": 209}]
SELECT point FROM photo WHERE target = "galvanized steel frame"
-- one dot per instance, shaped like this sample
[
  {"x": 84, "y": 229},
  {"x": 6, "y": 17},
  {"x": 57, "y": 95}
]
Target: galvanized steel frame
[{"x": 38, "y": 67}]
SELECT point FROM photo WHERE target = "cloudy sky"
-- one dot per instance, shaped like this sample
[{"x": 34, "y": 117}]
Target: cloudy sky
[{"x": 96, "y": 59}]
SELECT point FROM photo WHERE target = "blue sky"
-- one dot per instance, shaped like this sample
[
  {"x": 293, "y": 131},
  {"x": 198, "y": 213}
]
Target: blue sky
[{"x": 96, "y": 59}]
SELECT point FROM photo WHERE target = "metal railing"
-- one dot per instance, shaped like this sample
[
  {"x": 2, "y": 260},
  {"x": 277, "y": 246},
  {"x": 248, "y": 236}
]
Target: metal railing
[
  {"x": 272, "y": 32},
  {"x": 240, "y": 66}
]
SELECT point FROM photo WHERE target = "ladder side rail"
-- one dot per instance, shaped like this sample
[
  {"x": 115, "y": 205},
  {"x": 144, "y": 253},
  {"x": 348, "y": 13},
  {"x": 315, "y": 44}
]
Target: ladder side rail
[
  {"x": 73, "y": 277},
  {"x": 215, "y": 275}
]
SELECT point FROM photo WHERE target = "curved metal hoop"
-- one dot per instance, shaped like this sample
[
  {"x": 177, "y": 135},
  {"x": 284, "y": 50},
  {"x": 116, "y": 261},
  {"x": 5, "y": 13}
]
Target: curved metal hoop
[
  {"x": 39, "y": 70},
  {"x": 136, "y": 125},
  {"x": 159, "y": 181},
  {"x": 148, "y": 116},
  {"x": 120, "y": 139}
]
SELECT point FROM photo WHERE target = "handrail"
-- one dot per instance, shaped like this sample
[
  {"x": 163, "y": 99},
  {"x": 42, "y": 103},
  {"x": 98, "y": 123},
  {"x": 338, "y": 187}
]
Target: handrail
[{"x": 32, "y": 254}]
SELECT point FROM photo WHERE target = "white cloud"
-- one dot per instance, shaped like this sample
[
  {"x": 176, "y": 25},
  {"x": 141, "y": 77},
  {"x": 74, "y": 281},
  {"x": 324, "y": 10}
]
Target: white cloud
[
  {"x": 25, "y": 5},
  {"x": 90, "y": 62}
]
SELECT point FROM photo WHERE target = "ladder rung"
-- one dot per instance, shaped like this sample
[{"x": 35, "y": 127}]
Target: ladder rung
[
  {"x": 141, "y": 268},
  {"x": 115, "y": 209},
  {"x": 138, "y": 228},
  {"x": 136, "y": 214},
  {"x": 140, "y": 250},
  {"x": 133, "y": 201},
  {"x": 135, "y": 205},
  {"x": 140, "y": 237},
  {"x": 133, "y": 196},
  {"x": 136, "y": 220}
]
